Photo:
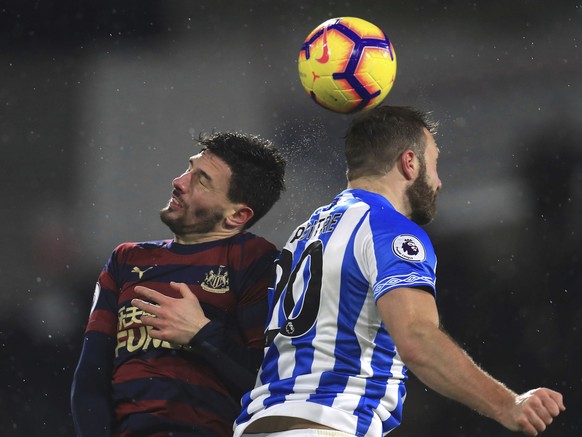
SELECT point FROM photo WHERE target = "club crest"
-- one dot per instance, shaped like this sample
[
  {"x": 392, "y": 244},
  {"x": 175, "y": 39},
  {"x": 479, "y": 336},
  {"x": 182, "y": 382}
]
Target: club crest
[{"x": 216, "y": 282}]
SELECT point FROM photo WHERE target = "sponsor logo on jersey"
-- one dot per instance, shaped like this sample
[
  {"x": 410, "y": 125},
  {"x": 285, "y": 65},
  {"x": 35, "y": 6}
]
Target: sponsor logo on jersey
[
  {"x": 133, "y": 336},
  {"x": 139, "y": 271},
  {"x": 409, "y": 248},
  {"x": 216, "y": 282}
]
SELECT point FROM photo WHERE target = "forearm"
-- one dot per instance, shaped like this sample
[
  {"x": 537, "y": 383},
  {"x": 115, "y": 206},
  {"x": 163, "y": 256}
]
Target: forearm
[
  {"x": 235, "y": 362},
  {"x": 91, "y": 404},
  {"x": 92, "y": 413},
  {"x": 443, "y": 366},
  {"x": 412, "y": 320}
]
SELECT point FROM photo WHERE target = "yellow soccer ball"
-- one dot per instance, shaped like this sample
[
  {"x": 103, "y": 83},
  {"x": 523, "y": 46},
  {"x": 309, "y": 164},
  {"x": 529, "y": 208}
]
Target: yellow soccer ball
[{"x": 347, "y": 65}]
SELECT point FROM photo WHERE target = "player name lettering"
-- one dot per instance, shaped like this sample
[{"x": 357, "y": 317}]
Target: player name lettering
[{"x": 325, "y": 224}]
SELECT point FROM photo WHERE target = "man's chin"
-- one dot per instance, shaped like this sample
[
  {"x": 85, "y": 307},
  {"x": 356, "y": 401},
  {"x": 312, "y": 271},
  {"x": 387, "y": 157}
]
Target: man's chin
[
  {"x": 423, "y": 218},
  {"x": 167, "y": 217}
]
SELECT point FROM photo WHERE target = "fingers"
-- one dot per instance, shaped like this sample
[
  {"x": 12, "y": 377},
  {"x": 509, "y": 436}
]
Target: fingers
[
  {"x": 150, "y": 313},
  {"x": 155, "y": 313},
  {"x": 147, "y": 307},
  {"x": 539, "y": 407},
  {"x": 182, "y": 288},
  {"x": 551, "y": 407},
  {"x": 550, "y": 402},
  {"x": 150, "y": 320},
  {"x": 155, "y": 326},
  {"x": 538, "y": 419},
  {"x": 150, "y": 294},
  {"x": 159, "y": 298},
  {"x": 558, "y": 399}
]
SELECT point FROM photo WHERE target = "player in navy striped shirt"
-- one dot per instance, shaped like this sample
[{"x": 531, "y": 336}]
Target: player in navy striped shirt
[
  {"x": 132, "y": 380},
  {"x": 353, "y": 306}
]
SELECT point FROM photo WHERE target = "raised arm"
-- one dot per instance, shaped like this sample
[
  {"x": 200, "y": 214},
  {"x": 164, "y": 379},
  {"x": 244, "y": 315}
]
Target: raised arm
[{"x": 411, "y": 317}]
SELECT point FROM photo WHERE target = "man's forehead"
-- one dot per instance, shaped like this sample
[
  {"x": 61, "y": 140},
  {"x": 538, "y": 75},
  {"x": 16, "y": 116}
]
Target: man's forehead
[
  {"x": 209, "y": 160},
  {"x": 431, "y": 142},
  {"x": 193, "y": 157}
]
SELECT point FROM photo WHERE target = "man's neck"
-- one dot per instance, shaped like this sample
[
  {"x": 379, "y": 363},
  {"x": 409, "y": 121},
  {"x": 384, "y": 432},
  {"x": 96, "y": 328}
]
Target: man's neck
[
  {"x": 205, "y": 237},
  {"x": 388, "y": 186}
]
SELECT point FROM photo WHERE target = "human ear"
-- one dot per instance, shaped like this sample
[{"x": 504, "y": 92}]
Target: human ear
[
  {"x": 240, "y": 216},
  {"x": 409, "y": 164}
]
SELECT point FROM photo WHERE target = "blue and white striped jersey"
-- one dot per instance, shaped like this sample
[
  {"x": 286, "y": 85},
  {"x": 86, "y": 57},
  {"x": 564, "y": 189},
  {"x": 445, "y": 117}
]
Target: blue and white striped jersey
[{"x": 329, "y": 358}]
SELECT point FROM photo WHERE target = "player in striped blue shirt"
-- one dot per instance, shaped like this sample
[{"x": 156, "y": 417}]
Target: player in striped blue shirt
[{"x": 353, "y": 306}]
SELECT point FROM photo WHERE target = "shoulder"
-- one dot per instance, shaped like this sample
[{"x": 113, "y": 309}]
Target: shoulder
[
  {"x": 126, "y": 248},
  {"x": 246, "y": 249},
  {"x": 253, "y": 242},
  {"x": 406, "y": 239},
  {"x": 390, "y": 220}
]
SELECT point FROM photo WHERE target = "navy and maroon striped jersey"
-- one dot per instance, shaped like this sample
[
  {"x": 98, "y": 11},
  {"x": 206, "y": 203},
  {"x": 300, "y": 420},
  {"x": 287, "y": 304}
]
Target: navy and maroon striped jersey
[{"x": 158, "y": 388}]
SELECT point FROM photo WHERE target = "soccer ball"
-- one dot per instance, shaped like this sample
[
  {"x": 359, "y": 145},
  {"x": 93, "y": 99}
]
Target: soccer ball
[{"x": 347, "y": 65}]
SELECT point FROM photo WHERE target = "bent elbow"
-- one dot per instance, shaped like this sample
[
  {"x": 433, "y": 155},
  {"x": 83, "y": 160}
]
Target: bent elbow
[
  {"x": 412, "y": 355},
  {"x": 416, "y": 347}
]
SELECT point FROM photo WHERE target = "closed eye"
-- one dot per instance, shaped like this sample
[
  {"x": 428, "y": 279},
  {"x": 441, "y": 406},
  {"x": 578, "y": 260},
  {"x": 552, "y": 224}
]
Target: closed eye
[{"x": 203, "y": 178}]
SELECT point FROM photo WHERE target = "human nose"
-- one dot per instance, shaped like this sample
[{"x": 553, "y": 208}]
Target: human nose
[
  {"x": 439, "y": 184},
  {"x": 181, "y": 182}
]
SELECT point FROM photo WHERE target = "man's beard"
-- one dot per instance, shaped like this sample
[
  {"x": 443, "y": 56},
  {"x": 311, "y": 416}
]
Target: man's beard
[
  {"x": 422, "y": 199},
  {"x": 207, "y": 219}
]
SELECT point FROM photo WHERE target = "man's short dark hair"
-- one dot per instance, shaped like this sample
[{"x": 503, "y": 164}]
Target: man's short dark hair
[
  {"x": 377, "y": 138},
  {"x": 258, "y": 169}
]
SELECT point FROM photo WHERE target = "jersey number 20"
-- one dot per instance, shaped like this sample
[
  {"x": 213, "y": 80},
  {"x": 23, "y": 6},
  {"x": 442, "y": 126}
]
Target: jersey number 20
[{"x": 306, "y": 274}]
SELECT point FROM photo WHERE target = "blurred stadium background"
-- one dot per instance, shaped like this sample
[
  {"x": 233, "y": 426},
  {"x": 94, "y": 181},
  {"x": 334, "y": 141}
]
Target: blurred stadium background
[{"x": 100, "y": 102}]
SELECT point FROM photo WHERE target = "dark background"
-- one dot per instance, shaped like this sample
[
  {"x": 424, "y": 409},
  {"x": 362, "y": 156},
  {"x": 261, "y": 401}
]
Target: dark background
[{"x": 100, "y": 101}]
